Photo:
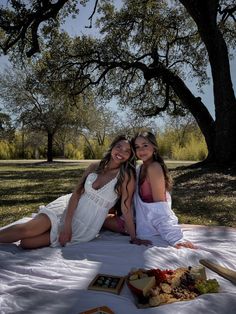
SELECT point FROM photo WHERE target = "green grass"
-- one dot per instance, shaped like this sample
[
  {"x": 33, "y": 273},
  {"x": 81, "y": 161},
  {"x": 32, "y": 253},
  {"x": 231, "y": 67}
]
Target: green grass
[
  {"x": 205, "y": 196},
  {"x": 23, "y": 187},
  {"x": 199, "y": 196}
]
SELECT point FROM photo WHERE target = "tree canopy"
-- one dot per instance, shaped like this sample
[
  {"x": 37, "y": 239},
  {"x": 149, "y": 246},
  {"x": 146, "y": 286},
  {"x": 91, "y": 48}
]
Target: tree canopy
[
  {"x": 42, "y": 102},
  {"x": 22, "y": 23},
  {"x": 147, "y": 52}
]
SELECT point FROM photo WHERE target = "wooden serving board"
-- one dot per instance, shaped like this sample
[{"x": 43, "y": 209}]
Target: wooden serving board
[
  {"x": 222, "y": 271},
  {"x": 100, "y": 309}
]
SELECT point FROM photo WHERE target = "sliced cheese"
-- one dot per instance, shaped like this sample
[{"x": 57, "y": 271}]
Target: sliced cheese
[
  {"x": 198, "y": 272},
  {"x": 144, "y": 284}
]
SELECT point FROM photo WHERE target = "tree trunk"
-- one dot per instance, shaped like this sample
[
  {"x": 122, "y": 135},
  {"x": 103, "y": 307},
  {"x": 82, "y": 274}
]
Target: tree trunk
[
  {"x": 49, "y": 150},
  {"x": 22, "y": 143},
  {"x": 89, "y": 145},
  {"x": 204, "y": 14},
  {"x": 192, "y": 103},
  {"x": 197, "y": 109}
]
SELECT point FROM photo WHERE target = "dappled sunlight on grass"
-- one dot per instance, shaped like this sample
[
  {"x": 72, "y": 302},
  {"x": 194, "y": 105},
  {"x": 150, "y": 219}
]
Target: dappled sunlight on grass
[
  {"x": 25, "y": 187},
  {"x": 205, "y": 196}
]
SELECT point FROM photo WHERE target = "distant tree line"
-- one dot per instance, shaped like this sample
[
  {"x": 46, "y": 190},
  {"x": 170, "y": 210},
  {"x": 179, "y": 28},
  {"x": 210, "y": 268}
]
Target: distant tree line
[{"x": 177, "y": 141}]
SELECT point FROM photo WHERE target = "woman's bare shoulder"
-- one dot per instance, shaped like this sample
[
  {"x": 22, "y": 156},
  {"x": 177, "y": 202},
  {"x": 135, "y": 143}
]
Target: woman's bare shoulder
[
  {"x": 154, "y": 171},
  {"x": 154, "y": 167}
]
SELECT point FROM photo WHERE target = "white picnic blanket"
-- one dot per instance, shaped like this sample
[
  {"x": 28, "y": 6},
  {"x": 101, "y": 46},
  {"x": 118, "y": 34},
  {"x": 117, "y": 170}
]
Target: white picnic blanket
[{"x": 55, "y": 280}]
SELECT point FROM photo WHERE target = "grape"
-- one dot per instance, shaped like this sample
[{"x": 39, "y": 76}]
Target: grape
[
  {"x": 187, "y": 281},
  {"x": 207, "y": 286}
]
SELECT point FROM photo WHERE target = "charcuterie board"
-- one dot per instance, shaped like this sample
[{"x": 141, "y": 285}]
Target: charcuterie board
[
  {"x": 99, "y": 310},
  {"x": 156, "y": 287}
]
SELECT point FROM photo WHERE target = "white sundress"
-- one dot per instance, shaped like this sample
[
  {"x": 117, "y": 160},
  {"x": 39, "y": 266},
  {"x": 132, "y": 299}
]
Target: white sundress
[{"x": 89, "y": 215}]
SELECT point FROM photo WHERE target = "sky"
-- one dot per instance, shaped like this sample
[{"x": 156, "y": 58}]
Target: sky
[{"x": 78, "y": 27}]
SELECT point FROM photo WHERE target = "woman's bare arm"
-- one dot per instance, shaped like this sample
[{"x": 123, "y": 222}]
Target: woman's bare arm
[
  {"x": 156, "y": 178},
  {"x": 127, "y": 191}
]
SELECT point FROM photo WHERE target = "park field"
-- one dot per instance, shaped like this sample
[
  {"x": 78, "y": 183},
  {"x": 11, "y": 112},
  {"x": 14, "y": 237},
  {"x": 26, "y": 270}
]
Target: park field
[{"x": 200, "y": 196}]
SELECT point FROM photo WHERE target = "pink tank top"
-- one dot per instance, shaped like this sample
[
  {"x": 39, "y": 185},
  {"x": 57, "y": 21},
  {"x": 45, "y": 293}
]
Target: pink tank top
[{"x": 146, "y": 192}]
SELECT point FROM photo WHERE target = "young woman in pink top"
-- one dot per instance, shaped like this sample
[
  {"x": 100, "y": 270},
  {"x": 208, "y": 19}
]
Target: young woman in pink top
[{"x": 152, "y": 200}]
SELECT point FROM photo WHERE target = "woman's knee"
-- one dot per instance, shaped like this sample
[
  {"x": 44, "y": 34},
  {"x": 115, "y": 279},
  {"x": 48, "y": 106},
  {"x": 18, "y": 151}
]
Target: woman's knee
[
  {"x": 115, "y": 224},
  {"x": 29, "y": 243},
  {"x": 26, "y": 243}
]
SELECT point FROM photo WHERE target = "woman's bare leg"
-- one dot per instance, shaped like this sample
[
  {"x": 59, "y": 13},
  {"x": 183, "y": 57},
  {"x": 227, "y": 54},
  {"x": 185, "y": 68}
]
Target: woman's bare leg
[
  {"x": 35, "y": 227},
  {"x": 36, "y": 242},
  {"x": 112, "y": 224}
]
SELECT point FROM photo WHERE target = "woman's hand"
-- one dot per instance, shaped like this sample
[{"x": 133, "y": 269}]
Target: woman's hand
[
  {"x": 186, "y": 244},
  {"x": 65, "y": 235},
  {"x": 140, "y": 242}
]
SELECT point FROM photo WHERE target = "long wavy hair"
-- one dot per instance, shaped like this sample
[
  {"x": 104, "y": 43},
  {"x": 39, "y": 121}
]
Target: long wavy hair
[
  {"x": 128, "y": 166},
  {"x": 156, "y": 155}
]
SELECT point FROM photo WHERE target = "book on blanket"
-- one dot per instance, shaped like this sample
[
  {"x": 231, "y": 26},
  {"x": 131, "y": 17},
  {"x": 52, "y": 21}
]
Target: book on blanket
[{"x": 107, "y": 283}]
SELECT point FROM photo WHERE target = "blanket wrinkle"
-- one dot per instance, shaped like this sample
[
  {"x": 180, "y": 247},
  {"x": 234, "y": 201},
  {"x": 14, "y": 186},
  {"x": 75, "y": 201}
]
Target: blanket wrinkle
[{"x": 55, "y": 280}]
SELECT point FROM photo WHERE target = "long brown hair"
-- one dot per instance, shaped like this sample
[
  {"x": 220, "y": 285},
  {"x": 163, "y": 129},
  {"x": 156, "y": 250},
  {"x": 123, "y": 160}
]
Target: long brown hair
[
  {"x": 156, "y": 156},
  {"x": 128, "y": 166}
]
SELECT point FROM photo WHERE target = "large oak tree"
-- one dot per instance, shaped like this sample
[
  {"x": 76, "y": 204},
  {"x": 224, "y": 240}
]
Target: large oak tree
[{"x": 211, "y": 22}]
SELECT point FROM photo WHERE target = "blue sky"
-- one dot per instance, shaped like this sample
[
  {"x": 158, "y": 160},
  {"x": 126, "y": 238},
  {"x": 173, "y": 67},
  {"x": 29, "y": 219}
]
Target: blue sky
[{"x": 78, "y": 26}]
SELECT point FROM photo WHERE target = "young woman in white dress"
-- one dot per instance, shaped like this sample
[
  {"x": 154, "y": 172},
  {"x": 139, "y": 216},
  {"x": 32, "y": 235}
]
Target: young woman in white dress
[
  {"x": 78, "y": 217},
  {"x": 152, "y": 200}
]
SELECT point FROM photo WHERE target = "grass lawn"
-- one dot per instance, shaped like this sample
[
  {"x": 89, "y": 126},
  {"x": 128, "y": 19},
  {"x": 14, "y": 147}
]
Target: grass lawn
[{"x": 199, "y": 196}]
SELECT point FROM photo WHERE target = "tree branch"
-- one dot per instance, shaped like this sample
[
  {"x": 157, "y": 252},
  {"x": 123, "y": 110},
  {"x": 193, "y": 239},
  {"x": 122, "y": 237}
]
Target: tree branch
[
  {"x": 91, "y": 16},
  {"x": 227, "y": 12},
  {"x": 27, "y": 21}
]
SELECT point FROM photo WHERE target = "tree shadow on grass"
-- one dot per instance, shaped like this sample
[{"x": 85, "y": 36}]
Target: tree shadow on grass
[
  {"x": 38, "y": 189},
  {"x": 205, "y": 196},
  {"x": 51, "y": 184},
  {"x": 40, "y": 174},
  {"x": 205, "y": 179},
  {"x": 22, "y": 189}
]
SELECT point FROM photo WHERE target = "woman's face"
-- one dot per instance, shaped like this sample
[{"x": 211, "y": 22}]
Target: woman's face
[
  {"x": 121, "y": 152},
  {"x": 144, "y": 149}
]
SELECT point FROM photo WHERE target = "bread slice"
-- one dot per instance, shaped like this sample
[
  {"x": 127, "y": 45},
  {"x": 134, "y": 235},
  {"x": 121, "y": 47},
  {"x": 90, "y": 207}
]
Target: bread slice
[{"x": 144, "y": 284}]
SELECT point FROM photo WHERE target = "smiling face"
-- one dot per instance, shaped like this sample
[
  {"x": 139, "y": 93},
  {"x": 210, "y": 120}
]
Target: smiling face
[
  {"x": 144, "y": 149},
  {"x": 121, "y": 151}
]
